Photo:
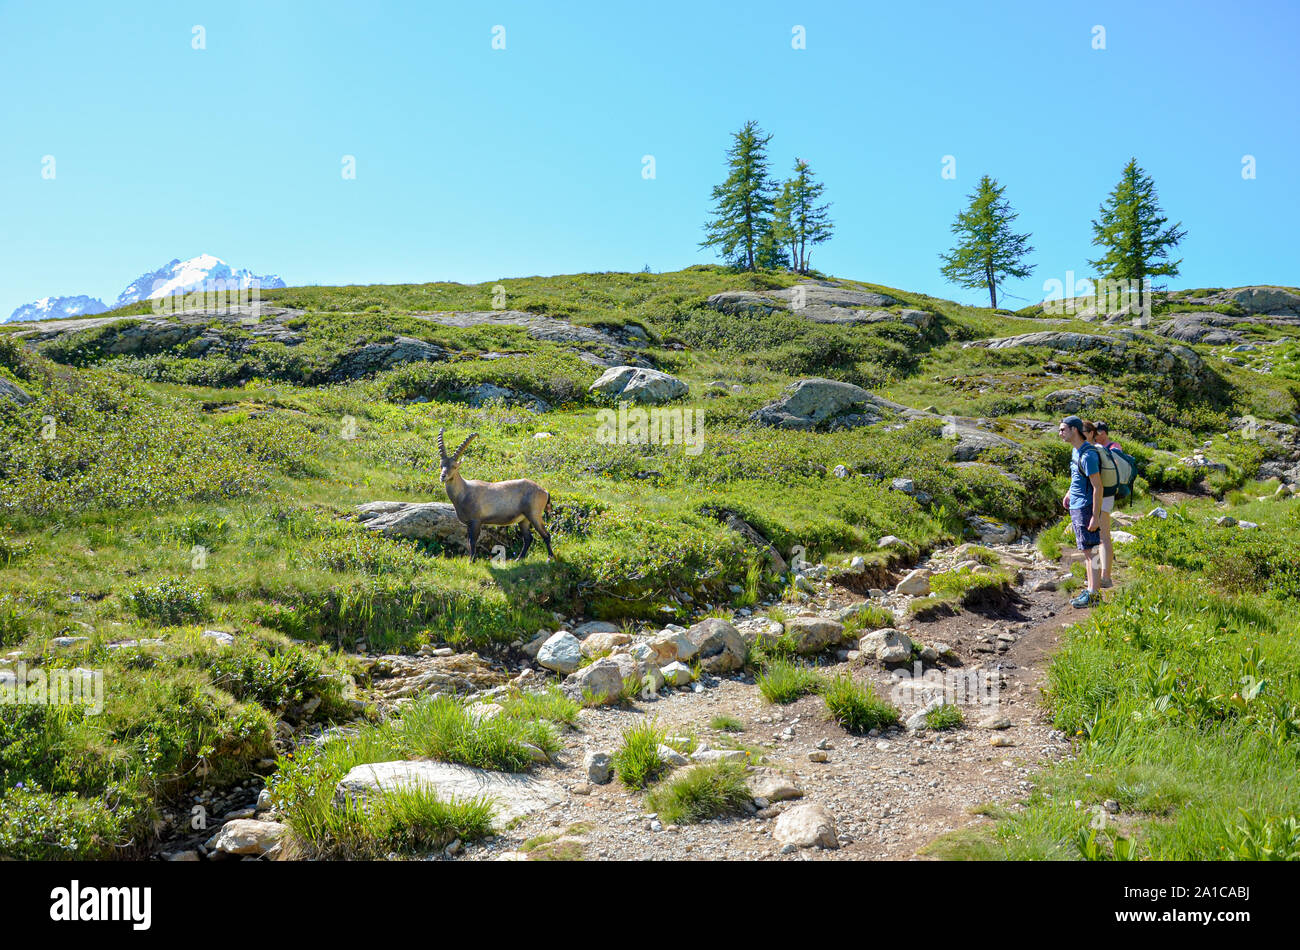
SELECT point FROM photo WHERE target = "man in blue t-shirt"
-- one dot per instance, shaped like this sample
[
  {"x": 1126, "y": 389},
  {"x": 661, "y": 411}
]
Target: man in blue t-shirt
[{"x": 1083, "y": 501}]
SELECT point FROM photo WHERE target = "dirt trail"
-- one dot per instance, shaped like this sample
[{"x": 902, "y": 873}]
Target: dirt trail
[{"x": 889, "y": 794}]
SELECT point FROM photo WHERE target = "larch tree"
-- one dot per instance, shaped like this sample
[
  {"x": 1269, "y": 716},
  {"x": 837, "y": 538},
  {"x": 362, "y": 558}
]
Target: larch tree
[
  {"x": 1132, "y": 231},
  {"x": 800, "y": 222},
  {"x": 743, "y": 203},
  {"x": 988, "y": 251}
]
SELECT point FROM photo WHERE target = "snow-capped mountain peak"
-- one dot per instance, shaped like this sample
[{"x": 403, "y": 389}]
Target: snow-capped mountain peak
[
  {"x": 52, "y": 308},
  {"x": 174, "y": 277},
  {"x": 177, "y": 276}
]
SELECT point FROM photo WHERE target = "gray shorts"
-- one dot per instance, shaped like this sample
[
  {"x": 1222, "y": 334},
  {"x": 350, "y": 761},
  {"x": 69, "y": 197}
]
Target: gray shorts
[{"x": 1085, "y": 539}]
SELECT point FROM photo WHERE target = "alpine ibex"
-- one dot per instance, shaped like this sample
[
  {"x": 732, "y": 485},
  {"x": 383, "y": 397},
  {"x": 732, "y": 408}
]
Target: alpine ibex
[{"x": 494, "y": 503}]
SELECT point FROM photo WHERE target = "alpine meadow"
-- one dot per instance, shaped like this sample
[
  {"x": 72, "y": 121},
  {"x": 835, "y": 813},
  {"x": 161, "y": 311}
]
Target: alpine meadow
[{"x": 749, "y": 556}]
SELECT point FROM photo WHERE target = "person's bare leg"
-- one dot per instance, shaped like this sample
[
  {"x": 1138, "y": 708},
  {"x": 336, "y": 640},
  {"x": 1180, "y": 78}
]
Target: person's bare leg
[
  {"x": 1107, "y": 548},
  {"x": 1094, "y": 585}
]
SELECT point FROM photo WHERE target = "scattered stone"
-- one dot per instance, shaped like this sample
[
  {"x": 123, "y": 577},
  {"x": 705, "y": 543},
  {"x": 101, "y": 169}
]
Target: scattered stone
[
  {"x": 806, "y": 825},
  {"x": 562, "y": 652},
  {"x": 599, "y": 767},
  {"x": 915, "y": 584},
  {"x": 719, "y": 645},
  {"x": 247, "y": 836}
]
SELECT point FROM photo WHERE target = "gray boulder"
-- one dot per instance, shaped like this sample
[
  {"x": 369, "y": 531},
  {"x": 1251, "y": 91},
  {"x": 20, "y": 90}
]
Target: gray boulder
[
  {"x": 887, "y": 645},
  {"x": 639, "y": 385},
  {"x": 247, "y": 836},
  {"x": 1071, "y": 401},
  {"x": 600, "y": 683},
  {"x": 814, "y": 634},
  {"x": 991, "y": 531},
  {"x": 434, "y": 520},
  {"x": 13, "y": 392},
  {"x": 376, "y": 357},
  {"x": 810, "y": 402},
  {"x": 1272, "y": 301},
  {"x": 719, "y": 646}
]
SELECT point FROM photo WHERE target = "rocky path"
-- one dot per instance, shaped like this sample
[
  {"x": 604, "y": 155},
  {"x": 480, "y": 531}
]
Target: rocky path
[{"x": 888, "y": 795}]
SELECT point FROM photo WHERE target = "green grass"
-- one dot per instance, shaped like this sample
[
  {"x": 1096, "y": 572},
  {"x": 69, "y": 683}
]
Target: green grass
[
  {"x": 783, "y": 681},
  {"x": 438, "y": 728},
  {"x": 704, "y": 792},
  {"x": 855, "y": 706},
  {"x": 947, "y": 716},
  {"x": 725, "y": 723},
  {"x": 401, "y": 821},
  {"x": 638, "y": 761}
]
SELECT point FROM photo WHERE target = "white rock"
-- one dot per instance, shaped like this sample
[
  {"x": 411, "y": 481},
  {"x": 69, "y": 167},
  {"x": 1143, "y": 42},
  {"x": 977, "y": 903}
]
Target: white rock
[
  {"x": 562, "y": 652},
  {"x": 247, "y": 836},
  {"x": 512, "y": 795},
  {"x": 676, "y": 674},
  {"x": 915, "y": 584},
  {"x": 806, "y": 825},
  {"x": 719, "y": 755}
]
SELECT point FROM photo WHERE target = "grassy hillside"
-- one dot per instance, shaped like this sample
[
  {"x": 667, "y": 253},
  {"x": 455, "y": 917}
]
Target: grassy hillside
[{"x": 158, "y": 495}]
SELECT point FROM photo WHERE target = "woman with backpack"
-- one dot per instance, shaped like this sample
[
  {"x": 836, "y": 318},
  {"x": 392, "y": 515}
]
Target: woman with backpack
[{"x": 1097, "y": 434}]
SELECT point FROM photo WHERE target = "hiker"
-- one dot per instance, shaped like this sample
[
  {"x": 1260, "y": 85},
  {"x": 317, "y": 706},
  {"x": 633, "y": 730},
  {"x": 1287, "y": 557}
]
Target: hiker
[
  {"x": 1083, "y": 501},
  {"x": 1103, "y": 436},
  {"x": 1096, "y": 433}
]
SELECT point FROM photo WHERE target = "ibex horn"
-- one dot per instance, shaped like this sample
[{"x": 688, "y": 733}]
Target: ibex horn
[
  {"x": 442, "y": 450},
  {"x": 461, "y": 450}
]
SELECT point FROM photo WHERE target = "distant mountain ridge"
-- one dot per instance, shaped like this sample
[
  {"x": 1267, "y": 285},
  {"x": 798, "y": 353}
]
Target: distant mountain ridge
[
  {"x": 176, "y": 276},
  {"x": 51, "y": 308}
]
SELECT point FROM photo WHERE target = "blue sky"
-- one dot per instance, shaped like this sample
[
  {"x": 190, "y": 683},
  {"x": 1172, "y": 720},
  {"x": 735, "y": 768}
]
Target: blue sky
[{"x": 476, "y": 164}]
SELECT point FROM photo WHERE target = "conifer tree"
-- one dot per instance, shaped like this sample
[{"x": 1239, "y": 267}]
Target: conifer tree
[
  {"x": 988, "y": 250},
  {"x": 1132, "y": 231},
  {"x": 800, "y": 222},
  {"x": 743, "y": 203}
]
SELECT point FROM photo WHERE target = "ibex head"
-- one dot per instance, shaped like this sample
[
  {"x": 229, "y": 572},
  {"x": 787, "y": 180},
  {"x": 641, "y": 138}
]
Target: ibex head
[{"x": 451, "y": 463}]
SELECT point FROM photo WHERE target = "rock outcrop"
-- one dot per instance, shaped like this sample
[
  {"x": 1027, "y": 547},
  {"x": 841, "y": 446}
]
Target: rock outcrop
[
  {"x": 637, "y": 384},
  {"x": 424, "y": 520},
  {"x": 512, "y": 795}
]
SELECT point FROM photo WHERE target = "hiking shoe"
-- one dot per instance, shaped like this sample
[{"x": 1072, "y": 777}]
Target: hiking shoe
[
  {"x": 1086, "y": 599},
  {"x": 1107, "y": 582}
]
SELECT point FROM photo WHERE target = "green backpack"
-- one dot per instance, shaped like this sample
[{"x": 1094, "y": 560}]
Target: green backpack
[
  {"x": 1106, "y": 466},
  {"x": 1118, "y": 471}
]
